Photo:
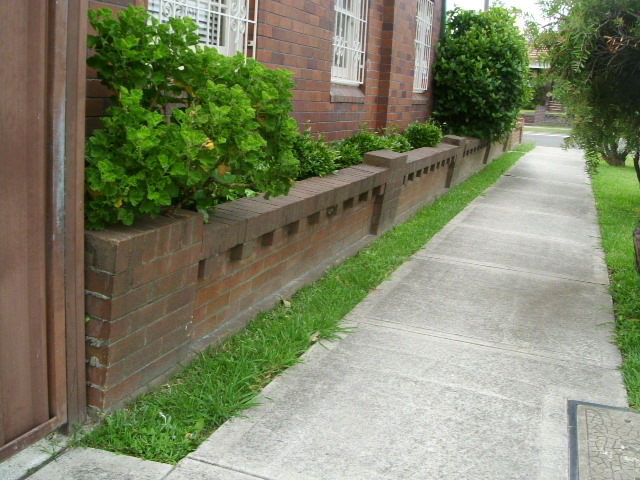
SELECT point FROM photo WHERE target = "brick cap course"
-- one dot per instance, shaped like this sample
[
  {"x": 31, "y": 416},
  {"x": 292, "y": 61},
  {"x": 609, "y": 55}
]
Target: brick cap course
[{"x": 240, "y": 221}]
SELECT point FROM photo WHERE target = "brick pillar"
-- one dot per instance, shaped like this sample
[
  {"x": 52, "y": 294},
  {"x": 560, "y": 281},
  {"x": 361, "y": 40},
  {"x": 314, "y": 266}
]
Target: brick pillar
[
  {"x": 140, "y": 295},
  {"x": 386, "y": 207},
  {"x": 453, "y": 176}
]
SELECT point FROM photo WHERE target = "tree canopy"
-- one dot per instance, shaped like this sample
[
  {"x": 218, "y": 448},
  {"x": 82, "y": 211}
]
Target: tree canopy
[{"x": 594, "y": 54}]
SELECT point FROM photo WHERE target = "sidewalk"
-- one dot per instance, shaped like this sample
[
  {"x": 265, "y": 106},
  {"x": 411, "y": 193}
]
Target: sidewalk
[{"x": 461, "y": 365}]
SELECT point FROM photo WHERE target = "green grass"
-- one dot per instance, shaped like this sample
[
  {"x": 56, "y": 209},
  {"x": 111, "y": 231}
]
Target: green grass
[
  {"x": 543, "y": 129},
  {"x": 172, "y": 421},
  {"x": 618, "y": 201}
]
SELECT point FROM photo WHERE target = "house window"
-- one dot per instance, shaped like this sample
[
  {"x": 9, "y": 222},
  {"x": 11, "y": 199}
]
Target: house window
[
  {"x": 349, "y": 42},
  {"x": 424, "y": 20},
  {"x": 227, "y": 25}
]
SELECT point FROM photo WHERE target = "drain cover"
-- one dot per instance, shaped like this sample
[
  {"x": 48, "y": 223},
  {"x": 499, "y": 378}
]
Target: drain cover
[{"x": 604, "y": 441}]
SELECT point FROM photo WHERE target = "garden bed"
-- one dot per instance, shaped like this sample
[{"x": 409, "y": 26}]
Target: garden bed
[{"x": 164, "y": 288}]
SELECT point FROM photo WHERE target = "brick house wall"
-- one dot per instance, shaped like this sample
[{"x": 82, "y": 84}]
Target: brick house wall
[{"x": 298, "y": 35}]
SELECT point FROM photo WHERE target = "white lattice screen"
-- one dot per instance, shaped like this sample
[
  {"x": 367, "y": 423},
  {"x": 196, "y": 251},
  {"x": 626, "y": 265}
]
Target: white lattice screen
[
  {"x": 224, "y": 24},
  {"x": 424, "y": 27},
  {"x": 349, "y": 41}
]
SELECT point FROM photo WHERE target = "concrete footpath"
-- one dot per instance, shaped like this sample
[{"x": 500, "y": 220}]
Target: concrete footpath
[{"x": 461, "y": 364}]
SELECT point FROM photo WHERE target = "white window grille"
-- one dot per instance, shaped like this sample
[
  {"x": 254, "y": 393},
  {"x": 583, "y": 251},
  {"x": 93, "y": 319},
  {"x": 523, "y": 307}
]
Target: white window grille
[
  {"x": 349, "y": 42},
  {"x": 228, "y": 25},
  {"x": 424, "y": 20}
]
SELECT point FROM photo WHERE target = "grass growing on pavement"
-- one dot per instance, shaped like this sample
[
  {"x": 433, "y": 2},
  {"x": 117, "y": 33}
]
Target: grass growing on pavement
[
  {"x": 618, "y": 201},
  {"x": 169, "y": 423}
]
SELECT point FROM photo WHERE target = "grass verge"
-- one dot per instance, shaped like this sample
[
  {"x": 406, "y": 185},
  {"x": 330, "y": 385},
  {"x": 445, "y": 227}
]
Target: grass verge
[
  {"x": 544, "y": 129},
  {"x": 618, "y": 201},
  {"x": 170, "y": 422}
]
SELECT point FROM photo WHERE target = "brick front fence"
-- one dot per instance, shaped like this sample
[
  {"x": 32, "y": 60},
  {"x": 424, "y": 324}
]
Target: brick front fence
[{"x": 164, "y": 288}]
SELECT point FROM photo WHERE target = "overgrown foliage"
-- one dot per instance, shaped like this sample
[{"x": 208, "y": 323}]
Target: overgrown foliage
[
  {"x": 594, "y": 52},
  {"x": 351, "y": 150},
  {"x": 481, "y": 73},
  {"x": 421, "y": 134},
  {"x": 317, "y": 158},
  {"x": 188, "y": 127},
  {"x": 538, "y": 87}
]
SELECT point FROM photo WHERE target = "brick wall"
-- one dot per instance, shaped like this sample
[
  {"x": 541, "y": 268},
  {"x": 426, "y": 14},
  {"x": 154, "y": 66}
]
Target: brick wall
[
  {"x": 298, "y": 35},
  {"x": 98, "y": 95},
  {"x": 164, "y": 288},
  {"x": 142, "y": 284}
]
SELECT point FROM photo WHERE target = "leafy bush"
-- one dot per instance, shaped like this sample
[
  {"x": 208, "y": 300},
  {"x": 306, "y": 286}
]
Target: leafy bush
[
  {"x": 188, "y": 128},
  {"x": 594, "y": 57},
  {"x": 421, "y": 134},
  {"x": 397, "y": 142},
  {"x": 352, "y": 149},
  {"x": 316, "y": 157},
  {"x": 481, "y": 73}
]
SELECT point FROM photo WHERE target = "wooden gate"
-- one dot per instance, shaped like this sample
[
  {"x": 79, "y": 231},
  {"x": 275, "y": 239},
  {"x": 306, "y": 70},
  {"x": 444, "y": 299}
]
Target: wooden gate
[{"x": 41, "y": 136}]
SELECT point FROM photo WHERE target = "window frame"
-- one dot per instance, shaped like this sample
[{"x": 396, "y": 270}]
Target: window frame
[
  {"x": 423, "y": 45},
  {"x": 348, "y": 60},
  {"x": 234, "y": 15}
]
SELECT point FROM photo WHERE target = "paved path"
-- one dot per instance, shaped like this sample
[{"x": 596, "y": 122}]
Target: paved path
[
  {"x": 461, "y": 364},
  {"x": 544, "y": 139},
  {"x": 460, "y": 367}
]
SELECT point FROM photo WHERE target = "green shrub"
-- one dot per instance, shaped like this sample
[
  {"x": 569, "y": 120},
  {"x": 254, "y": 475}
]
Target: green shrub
[
  {"x": 397, "y": 142},
  {"x": 316, "y": 157},
  {"x": 188, "y": 127},
  {"x": 421, "y": 134},
  {"x": 352, "y": 149},
  {"x": 348, "y": 154},
  {"x": 481, "y": 74}
]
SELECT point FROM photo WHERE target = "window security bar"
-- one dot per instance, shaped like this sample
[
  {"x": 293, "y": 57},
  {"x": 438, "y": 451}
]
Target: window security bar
[
  {"x": 227, "y": 25},
  {"x": 349, "y": 43},
  {"x": 424, "y": 20}
]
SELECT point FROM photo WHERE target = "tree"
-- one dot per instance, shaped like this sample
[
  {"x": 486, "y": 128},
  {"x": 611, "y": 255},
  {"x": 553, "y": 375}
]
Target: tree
[
  {"x": 594, "y": 53},
  {"x": 481, "y": 74}
]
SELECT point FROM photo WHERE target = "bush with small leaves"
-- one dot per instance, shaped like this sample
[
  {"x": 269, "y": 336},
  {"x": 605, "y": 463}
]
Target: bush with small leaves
[
  {"x": 397, "y": 142},
  {"x": 352, "y": 149},
  {"x": 481, "y": 76},
  {"x": 317, "y": 158},
  {"x": 421, "y": 134}
]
